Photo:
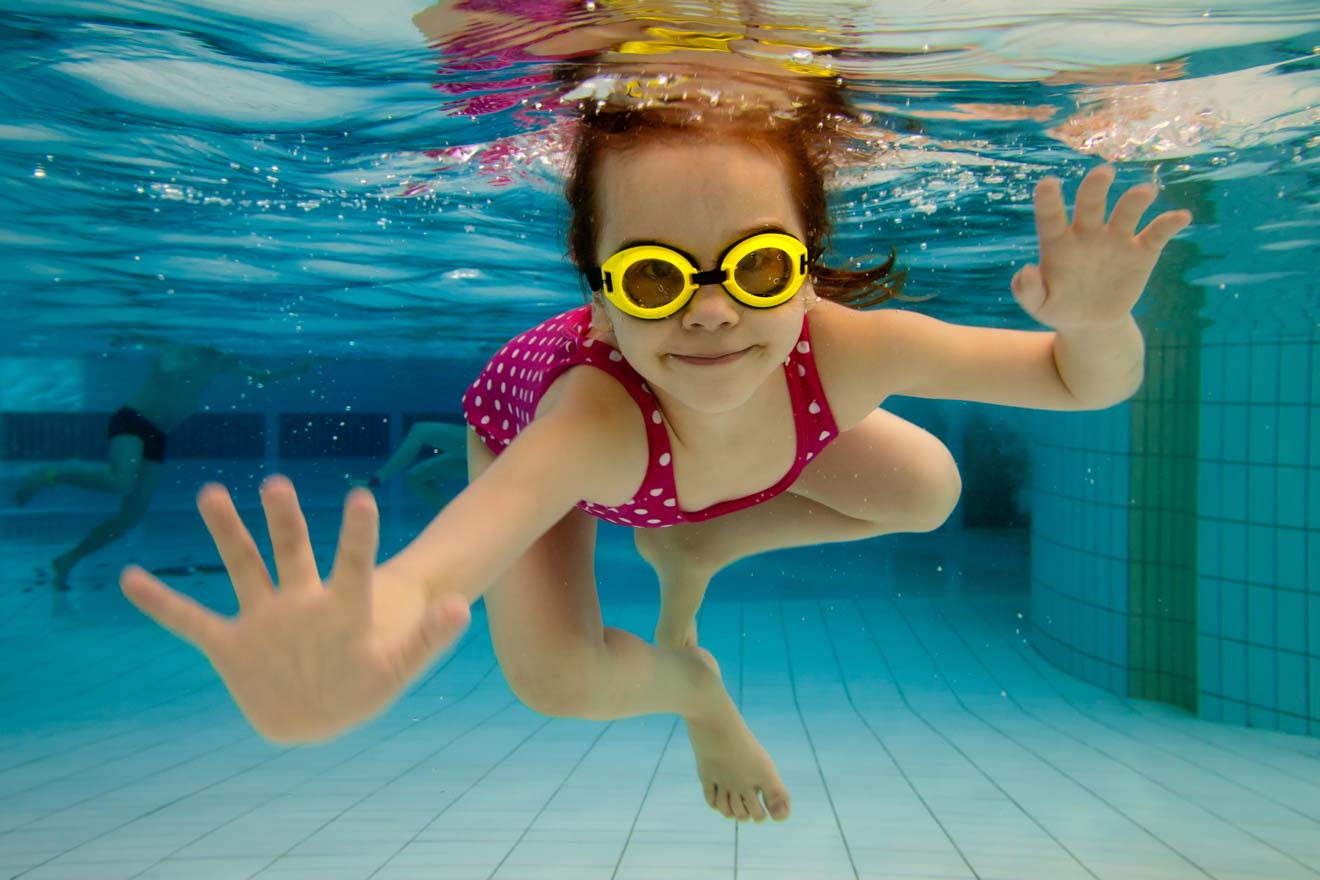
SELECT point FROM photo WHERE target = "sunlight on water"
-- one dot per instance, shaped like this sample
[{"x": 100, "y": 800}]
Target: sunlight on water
[{"x": 254, "y": 174}]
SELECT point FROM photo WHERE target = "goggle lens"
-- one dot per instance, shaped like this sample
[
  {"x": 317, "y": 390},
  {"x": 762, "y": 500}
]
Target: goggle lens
[
  {"x": 653, "y": 283},
  {"x": 764, "y": 272}
]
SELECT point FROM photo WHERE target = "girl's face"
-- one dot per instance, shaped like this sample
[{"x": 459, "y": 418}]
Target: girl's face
[{"x": 715, "y": 353}]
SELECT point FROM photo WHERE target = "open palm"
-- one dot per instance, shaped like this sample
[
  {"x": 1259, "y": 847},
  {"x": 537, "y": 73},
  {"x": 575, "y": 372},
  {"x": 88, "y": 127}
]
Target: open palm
[
  {"x": 308, "y": 659},
  {"x": 1092, "y": 272}
]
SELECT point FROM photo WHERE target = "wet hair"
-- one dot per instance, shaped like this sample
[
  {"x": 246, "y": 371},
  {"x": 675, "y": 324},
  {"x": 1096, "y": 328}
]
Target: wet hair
[{"x": 804, "y": 139}]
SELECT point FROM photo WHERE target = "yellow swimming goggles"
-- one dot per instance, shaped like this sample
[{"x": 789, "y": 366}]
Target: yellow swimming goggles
[{"x": 654, "y": 281}]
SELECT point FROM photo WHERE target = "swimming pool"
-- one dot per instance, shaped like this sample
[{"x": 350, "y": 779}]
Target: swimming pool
[{"x": 1105, "y": 665}]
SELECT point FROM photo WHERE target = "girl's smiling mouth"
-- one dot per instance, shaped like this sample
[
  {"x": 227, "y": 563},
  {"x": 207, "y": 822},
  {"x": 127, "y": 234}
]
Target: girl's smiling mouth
[{"x": 711, "y": 359}]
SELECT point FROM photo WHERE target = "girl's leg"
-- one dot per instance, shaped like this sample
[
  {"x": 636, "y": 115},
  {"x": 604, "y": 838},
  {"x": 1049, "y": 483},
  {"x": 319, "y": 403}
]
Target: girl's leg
[
  {"x": 559, "y": 658},
  {"x": 884, "y": 475}
]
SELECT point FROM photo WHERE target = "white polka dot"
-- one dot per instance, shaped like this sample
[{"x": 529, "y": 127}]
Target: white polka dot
[
  {"x": 504, "y": 386},
  {"x": 506, "y": 424},
  {"x": 489, "y": 384},
  {"x": 646, "y": 388},
  {"x": 654, "y": 522},
  {"x": 814, "y": 408},
  {"x": 655, "y": 492},
  {"x": 615, "y": 356},
  {"x": 478, "y": 400},
  {"x": 588, "y": 343},
  {"x": 810, "y": 455},
  {"x": 824, "y": 435},
  {"x": 499, "y": 368},
  {"x": 625, "y": 520},
  {"x": 670, "y": 502},
  {"x": 485, "y": 420},
  {"x": 802, "y": 371},
  {"x": 505, "y": 442},
  {"x": 804, "y": 346},
  {"x": 655, "y": 417},
  {"x": 497, "y": 409},
  {"x": 641, "y": 511},
  {"x": 664, "y": 460}
]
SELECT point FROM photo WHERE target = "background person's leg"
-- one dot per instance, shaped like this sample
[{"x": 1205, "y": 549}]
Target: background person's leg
[{"x": 132, "y": 507}]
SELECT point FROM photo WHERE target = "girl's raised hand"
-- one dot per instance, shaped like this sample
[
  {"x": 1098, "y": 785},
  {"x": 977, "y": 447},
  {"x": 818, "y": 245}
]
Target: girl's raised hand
[
  {"x": 1092, "y": 272},
  {"x": 306, "y": 660}
]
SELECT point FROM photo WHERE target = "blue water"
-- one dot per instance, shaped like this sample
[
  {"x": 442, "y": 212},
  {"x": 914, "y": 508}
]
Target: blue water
[{"x": 1106, "y": 665}]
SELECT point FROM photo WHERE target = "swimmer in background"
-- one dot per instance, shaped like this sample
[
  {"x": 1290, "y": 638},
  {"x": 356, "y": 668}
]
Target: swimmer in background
[
  {"x": 448, "y": 463},
  {"x": 179, "y": 376}
]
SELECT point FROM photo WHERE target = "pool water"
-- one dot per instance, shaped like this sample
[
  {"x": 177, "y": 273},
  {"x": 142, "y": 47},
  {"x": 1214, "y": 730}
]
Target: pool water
[{"x": 1106, "y": 664}]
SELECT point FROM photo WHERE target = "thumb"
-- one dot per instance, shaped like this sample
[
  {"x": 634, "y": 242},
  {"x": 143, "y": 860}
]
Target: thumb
[
  {"x": 443, "y": 622},
  {"x": 1029, "y": 289}
]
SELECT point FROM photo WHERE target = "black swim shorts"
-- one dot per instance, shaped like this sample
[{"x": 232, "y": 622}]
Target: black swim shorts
[{"x": 129, "y": 421}]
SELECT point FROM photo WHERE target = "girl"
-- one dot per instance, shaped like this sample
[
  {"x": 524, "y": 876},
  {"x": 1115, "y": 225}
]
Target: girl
[{"x": 719, "y": 394}]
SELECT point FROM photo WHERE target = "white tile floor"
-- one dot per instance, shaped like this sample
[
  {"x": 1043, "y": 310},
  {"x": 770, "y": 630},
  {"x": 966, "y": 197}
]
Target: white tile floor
[{"x": 920, "y": 735}]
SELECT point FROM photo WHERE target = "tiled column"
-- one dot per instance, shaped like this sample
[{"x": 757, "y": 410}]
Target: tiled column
[{"x": 1162, "y": 534}]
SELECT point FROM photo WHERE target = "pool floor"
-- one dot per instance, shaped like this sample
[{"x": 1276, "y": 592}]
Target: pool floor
[{"x": 919, "y": 734}]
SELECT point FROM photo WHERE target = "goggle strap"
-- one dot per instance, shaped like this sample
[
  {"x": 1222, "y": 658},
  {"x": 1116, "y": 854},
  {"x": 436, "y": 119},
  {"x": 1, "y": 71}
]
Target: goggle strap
[
  {"x": 598, "y": 280},
  {"x": 710, "y": 276}
]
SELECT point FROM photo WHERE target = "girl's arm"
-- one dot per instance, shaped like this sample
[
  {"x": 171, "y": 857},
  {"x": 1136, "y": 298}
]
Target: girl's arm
[
  {"x": 587, "y": 441},
  {"x": 306, "y": 659},
  {"x": 1091, "y": 274}
]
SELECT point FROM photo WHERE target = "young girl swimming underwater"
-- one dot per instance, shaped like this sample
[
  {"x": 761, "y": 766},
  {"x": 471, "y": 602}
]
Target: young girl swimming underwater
[{"x": 720, "y": 394}]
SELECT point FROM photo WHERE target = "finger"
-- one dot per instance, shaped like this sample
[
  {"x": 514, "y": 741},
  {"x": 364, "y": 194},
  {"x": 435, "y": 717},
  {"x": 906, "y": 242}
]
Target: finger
[
  {"x": 174, "y": 611},
  {"x": 238, "y": 551},
  {"x": 1051, "y": 215},
  {"x": 295, "y": 565},
  {"x": 355, "y": 560},
  {"x": 444, "y": 622},
  {"x": 1092, "y": 195},
  {"x": 1164, "y": 227},
  {"x": 1029, "y": 289},
  {"x": 1131, "y": 205}
]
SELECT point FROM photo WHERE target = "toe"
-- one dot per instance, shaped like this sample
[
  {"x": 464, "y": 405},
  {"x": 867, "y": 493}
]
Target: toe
[
  {"x": 739, "y": 804},
  {"x": 726, "y": 804},
  {"x": 753, "y": 801},
  {"x": 777, "y": 804}
]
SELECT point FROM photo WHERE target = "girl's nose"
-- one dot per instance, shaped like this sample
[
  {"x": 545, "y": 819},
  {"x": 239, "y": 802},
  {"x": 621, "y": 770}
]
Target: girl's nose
[{"x": 710, "y": 308}]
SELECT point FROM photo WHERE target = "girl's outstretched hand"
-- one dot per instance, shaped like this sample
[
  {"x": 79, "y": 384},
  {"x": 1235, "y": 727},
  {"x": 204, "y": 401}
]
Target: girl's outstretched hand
[
  {"x": 306, "y": 660},
  {"x": 1092, "y": 272}
]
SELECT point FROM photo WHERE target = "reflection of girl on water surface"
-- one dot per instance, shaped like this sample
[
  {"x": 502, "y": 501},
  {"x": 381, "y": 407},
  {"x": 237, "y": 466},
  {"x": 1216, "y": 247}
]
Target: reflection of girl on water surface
[
  {"x": 720, "y": 394},
  {"x": 138, "y": 432}
]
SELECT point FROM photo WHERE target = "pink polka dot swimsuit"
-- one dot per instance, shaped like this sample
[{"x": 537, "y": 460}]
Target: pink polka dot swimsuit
[{"x": 503, "y": 400}]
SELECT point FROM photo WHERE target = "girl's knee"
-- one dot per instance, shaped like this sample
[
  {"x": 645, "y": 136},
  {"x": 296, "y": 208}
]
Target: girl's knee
[
  {"x": 938, "y": 492},
  {"x": 558, "y": 687}
]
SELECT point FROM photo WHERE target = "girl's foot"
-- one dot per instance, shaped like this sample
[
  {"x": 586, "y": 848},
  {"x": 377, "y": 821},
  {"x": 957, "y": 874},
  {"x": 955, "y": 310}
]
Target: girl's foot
[{"x": 737, "y": 775}]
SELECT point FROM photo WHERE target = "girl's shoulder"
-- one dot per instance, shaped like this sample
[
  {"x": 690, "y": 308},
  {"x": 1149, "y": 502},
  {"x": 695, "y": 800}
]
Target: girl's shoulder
[
  {"x": 851, "y": 353},
  {"x": 598, "y": 408}
]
